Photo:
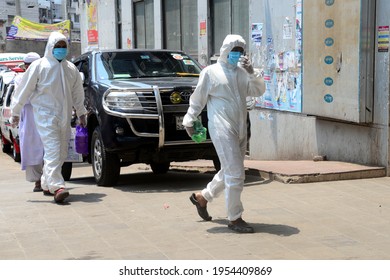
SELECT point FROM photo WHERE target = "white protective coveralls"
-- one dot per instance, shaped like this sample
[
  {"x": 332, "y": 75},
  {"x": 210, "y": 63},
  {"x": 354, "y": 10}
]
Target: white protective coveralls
[
  {"x": 223, "y": 88},
  {"x": 52, "y": 87}
]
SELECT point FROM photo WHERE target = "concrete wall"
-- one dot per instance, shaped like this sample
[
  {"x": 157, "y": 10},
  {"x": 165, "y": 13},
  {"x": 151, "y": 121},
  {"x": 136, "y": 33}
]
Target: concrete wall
[
  {"x": 107, "y": 24},
  {"x": 291, "y": 136},
  {"x": 278, "y": 135}
]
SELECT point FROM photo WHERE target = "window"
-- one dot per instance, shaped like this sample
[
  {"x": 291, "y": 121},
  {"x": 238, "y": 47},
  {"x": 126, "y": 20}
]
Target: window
[
  {"x": 144, "y": 24},
  {"x": 119, "y": 23},
  {"x": 182, "y": 36},
  {"x": 223, "y": 24}
]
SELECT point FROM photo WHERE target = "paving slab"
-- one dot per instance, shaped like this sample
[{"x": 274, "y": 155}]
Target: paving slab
[{"x": 149, "y": 217}]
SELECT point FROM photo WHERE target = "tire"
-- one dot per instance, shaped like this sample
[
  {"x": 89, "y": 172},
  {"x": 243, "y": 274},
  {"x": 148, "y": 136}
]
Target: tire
[
  {"x": 15, "y": 153},
  {"x": 106, "y": 166},
  {"x": 66, "y": 170},
  {"x": 5, "y": 145},
  {"x": 160, "y": 168},
  {"x": 217, "y": 164}
]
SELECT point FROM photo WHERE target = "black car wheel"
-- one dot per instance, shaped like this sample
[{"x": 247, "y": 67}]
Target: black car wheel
[
  {"x": 5, "y": 145},
  {"x": 217, "y": 164},
  {"x": 66, "y": 170},
  {"x": 106, "y": 166},
  {"x": 160, "y": 168}
]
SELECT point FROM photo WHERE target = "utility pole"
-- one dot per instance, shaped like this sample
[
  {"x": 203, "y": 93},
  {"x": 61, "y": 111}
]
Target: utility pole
[{"x": 17, "y": 8}]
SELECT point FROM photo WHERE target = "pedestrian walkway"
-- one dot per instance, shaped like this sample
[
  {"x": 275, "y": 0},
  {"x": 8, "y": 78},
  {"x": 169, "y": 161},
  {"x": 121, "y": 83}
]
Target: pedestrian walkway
[
  {"x": 150, "y": 217},
  {"x": 302, "y": 171}
]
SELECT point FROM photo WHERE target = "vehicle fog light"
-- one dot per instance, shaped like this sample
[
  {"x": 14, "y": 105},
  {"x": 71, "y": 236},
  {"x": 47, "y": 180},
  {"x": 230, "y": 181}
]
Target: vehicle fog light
[
  {"x": 119, "y": 131},
  {"x": 175, "y": 97}
]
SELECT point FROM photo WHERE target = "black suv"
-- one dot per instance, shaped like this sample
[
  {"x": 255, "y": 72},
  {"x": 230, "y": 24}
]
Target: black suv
[{"x": 136, "y": 100}]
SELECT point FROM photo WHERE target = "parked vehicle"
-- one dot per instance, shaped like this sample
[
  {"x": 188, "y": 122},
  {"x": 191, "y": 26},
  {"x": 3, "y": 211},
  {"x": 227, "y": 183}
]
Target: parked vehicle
[
  {"x": 6, "y": 78},
  {"x": 136, "y": 101},
  {"x": 9, "y": 134}
]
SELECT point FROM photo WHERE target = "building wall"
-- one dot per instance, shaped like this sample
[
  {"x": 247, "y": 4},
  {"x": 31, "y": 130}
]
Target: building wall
[{"x": 280, "y": 135}]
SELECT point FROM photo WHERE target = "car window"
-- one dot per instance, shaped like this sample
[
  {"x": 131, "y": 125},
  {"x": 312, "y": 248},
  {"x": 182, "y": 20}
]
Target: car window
[
  {"x": 3, "y": 92},
  {"x": 116, "y": 65},
  {"x": 9, "y": 95}
]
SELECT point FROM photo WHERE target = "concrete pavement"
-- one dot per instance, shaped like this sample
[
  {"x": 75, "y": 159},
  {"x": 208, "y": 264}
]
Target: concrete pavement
[{"x": 149, "y": 217}]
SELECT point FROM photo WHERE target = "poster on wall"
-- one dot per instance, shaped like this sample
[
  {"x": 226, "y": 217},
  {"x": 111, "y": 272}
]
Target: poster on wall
[
  {"x": 257, "y": 32},
  {"x": 383, "y": 38},
  {"x": 93, "y": 35},
  {"x": 282, "y": 66}
]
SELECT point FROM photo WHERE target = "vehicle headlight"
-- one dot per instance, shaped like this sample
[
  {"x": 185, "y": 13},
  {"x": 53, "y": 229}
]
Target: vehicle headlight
[{"x": 122, "y": 100}]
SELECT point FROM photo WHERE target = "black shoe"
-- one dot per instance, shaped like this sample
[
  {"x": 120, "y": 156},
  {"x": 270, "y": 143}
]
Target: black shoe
[
  {"x": 202, "y": 211},
  {"x": 37, "y": 187},
  {"x": 241, "y": 226}
]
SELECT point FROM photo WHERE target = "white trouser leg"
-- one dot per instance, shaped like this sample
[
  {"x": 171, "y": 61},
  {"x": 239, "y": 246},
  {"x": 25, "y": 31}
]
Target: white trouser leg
[
  {"x": 33, "y": 173},
  {"x": 55, "y": 145},
  {"x": 231, "y": 153}
]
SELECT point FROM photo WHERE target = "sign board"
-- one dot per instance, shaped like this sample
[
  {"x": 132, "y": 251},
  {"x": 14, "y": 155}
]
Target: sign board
[
  {"x": 23, "y": 29},
  {"x": 338, "y": 59}
]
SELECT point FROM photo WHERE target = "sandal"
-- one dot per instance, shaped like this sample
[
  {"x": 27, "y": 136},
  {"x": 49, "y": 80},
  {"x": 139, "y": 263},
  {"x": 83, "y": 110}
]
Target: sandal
[
  {"x": 202, "y": 211},
  {"x": 241, "y": 226},
  {"x": 60, "y": 195}
]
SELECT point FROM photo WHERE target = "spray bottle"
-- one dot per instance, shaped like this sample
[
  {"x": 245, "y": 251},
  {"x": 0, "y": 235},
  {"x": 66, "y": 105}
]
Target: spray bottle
[{"x": 200, "y": 132}]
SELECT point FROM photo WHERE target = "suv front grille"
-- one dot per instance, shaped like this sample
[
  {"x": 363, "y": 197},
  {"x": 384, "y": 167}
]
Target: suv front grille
[{"x": 148, "y": 100}]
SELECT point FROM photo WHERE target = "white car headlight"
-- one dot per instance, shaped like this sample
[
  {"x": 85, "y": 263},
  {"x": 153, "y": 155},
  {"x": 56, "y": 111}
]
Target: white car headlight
[{"x": 122, "y": 100}]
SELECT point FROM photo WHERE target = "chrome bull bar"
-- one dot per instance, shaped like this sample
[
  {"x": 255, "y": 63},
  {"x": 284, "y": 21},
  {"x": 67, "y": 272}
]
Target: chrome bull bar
[{"x": 158, "y": 116}]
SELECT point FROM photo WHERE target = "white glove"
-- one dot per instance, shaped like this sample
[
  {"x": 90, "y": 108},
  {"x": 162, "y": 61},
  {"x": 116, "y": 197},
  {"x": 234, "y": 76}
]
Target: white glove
[{"x": 14, "y": 120}]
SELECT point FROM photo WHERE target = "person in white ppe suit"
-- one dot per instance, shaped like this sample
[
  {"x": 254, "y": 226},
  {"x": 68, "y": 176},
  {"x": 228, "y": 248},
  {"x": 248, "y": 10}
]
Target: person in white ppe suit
[
  {"x": 223, "y": 87},
  {"x": 31, "y": 147},
  {"x": 53, "y": 86}
]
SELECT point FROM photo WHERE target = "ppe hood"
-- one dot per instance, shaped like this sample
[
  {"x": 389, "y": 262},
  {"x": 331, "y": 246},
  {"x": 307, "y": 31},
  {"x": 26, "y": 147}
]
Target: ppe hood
[
  {"x": 54, "y": 38},
  {"x": 228, "y": 44}
]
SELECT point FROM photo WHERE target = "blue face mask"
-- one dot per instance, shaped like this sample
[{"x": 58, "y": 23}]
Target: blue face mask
[
  {"x": 60, "y": 53},
  {"x": 233, "y": 58}
]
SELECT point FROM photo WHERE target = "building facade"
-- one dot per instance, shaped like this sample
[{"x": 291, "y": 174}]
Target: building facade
[{"x": 326, "y": 64}]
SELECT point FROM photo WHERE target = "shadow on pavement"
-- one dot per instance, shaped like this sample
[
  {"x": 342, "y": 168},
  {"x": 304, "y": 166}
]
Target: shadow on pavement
[
  {"x": 87, "y": 197},
  {"x": 280, "y": 230}
]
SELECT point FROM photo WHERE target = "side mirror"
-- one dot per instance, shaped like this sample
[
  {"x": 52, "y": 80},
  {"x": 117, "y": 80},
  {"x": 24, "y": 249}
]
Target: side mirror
[{"x": 82, "y": 77}]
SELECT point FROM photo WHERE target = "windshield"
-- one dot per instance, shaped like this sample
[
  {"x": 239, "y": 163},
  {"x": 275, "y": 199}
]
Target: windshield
[{"x": 140, "y": 64}]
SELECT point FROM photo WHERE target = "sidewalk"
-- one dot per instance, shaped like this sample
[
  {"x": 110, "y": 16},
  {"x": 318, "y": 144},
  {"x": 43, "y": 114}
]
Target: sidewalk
[
  {"x": 150, "y": 217},
  {"x": 303, "y": 171}
]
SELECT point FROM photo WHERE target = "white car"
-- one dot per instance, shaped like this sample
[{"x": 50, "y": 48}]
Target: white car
[{"x": 9, "y": 135}]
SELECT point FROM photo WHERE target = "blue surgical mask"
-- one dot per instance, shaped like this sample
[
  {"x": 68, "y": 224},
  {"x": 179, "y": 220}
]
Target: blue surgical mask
[
  {"x": 60, "y": 53},
  {"x": 233, "y": 58}
]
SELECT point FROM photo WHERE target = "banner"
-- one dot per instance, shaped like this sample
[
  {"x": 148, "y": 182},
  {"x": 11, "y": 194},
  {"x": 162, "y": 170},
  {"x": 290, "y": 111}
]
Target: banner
[
  {"x": 23, "y": 29},
  {"x": 92, "y": 18}
]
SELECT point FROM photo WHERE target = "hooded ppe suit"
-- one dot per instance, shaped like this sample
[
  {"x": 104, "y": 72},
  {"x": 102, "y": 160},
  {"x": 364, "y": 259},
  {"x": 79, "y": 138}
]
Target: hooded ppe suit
[
  {"x": 52, "y": 87},
  {"x": 223, "y": 87}
]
